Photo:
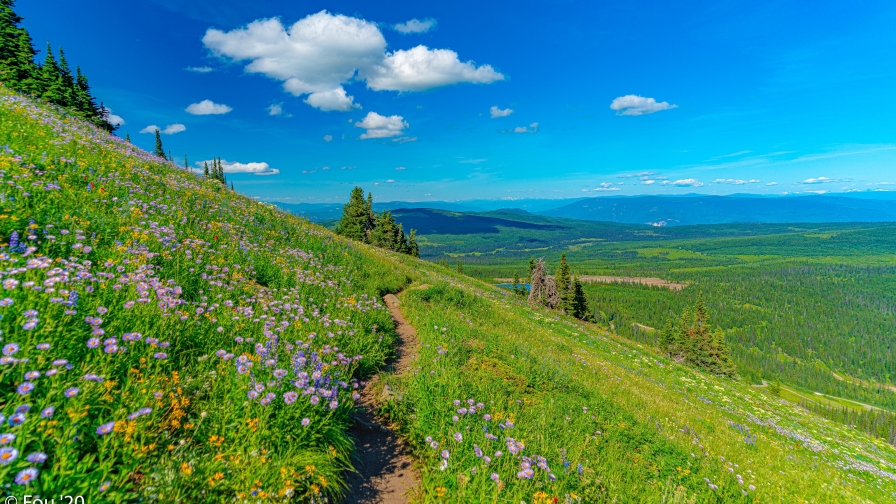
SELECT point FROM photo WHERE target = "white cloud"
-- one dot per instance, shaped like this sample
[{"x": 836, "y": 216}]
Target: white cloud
[
  {"x": 275, "y": 109},
  {"x": 818, "y": 191},
  {"x": 415, "y": 26},
  {"x": 735, "y": 181},
  {"x": 334, "y": 99},
  {"x": 642, "y": 175},
  {"x": 328, "y": 138},
  {"x": 648, "y": 182},
  {"x": 379, "y": 126},
  {"x": 633, "y": 105},
  {"x": 174, "y": 128},
  {"x": 114, "y": 120},
  {"x": 391, "y": 181},
  {"x": 422, "y": 68},
  {"x": 255, "y": 168},
  {"x": 886, "y": 183},
  {"x": 201, "y": 70},
  {"x": 526, "y": 129},
  {"x": 404, "y": 139},
  {"x": 825, "y": 180},
  {"x": 772, "y": 184},
  {"x": 319, "y": 53},
  {"x": 169, "y": 130},
  {"x": 688, "y": 182},
  {"x": 401, "y": 168},
  {"x": 496, "y": 112},
  {"x": 208, "y": 107},
  {"x": 473, "y": 161}
]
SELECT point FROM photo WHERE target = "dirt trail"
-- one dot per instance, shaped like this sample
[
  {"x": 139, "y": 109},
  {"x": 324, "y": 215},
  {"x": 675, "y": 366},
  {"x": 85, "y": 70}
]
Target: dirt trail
[{"x": 385, "y": 469}]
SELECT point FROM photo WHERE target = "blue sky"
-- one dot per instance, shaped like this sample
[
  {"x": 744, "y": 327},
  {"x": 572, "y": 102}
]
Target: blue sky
[{"x": 305, "y": 99}]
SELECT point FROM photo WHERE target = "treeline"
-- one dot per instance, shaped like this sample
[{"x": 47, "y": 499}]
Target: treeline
[
  {"x": 215, "y": 173},
  {"x": 562, "y": 292},
  {"x": 793, "y": 323},
  {"x": 359, "y": 222},
  {"x": 693, "y": 341},
  {"x": 52, "y": 80},
  {"x": 878, "y": 423}
]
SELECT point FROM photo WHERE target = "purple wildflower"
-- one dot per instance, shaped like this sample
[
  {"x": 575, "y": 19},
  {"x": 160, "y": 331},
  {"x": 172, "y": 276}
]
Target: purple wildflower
[
  {"x": 36, "y": 457},
  {"x": 8, "y": 454},
  {"x": 26, "y": 476},
  {"x": 106, "y": 428}
]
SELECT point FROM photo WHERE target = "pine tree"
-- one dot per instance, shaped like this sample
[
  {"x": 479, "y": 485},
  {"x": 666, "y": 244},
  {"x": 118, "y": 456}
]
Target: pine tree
[
  {"x": 51, "y": 86},
  {"x": 186, "y": 164},
  {"x": 159, "y": 151},
  {"x": 460, "y": 267},
  {"x": 170, "y": 157},
  {"x": 562, "y": 279},
  {"x": 67, "y": 87},
  {"x": 17, "y": 67},
  {"x": 231, "y": 186},
  {"x": 206, "y": 173},
  {"x": 355, "y": 217},
  {"x": 127, "y": 137},
  {"x": 579, "y": 305},
  {"x": 413, "y": 248}
]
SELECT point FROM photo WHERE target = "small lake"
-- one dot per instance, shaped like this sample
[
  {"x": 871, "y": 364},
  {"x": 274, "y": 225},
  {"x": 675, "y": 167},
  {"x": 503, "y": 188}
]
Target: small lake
[{"x": 510, "y": 286}]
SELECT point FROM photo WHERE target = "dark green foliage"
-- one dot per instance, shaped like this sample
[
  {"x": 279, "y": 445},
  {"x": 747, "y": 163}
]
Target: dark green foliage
[
  {"x": 360, "y": 223},
  {"x": 127, "y": 137},
  {"x": 51, "y": 81},
  {"x": 876, "y": 422},
  {"x": 460, "y": 266},
  {"x": 205, "y": 172},
  {"x": 565, "y": 288},
  {"x": 579, "y": 305},
  {"x": 695, "y": 342},
  {"x": 159, "y": 150}
]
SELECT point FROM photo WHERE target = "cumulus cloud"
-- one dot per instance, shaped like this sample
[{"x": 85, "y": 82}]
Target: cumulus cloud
[
  {"x": 634, "y": 105},
  {"x": 114, "y": 120},
  {"x": 328, "y": 138},
  {"x": 208, "y": 107},
  {"x": 496, "y": 112},
  {"x": 334, "y": 99},
  {"x": 603, "y": 186},
  {"x": 379, "y": 126},
  {"x": 254, "y": 168},
  {"x": 319, "y": 53},
  {"x": 422, "y": 68},
  {"x": 735, "y": 181},
  {"x": 275, "y": 109},
  {"x": 169, "y": 130},
  {"x": 532, "y": 128},
  {"x": 415, "y": 26},
  {"x": 648, "y": 182},
  {"x": 200, "y": 70},
  {"x": 688, "y": 182},
  {"x": 825, "y": 180}
]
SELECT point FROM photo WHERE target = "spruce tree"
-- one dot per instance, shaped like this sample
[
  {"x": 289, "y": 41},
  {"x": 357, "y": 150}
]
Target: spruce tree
[
  {"x": 580, "y": 308},
  {"x": 562, "y": 279},
  {"x": 67, "y": 87},
  {"x": 186, "y": 164},
  {"x": 127, "y": 137},
  {"x": 231, "y": 186},
  {"x": 206, "y": 173},
  {"x": 413, "y": 248},
  {"x": 355, "y": 217},
  {"x": 159, "y": 151}
]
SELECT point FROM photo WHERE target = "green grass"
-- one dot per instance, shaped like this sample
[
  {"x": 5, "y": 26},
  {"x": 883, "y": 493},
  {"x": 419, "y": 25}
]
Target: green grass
[{"x": 207, "y": 270}]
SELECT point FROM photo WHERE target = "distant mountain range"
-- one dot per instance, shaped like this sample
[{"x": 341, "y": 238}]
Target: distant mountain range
[{"x": 650, "y": 210}]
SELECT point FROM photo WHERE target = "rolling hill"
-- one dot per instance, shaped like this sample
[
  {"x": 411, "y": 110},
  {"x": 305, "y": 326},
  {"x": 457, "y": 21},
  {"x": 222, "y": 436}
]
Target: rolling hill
[{"x": 166, "y": 339}]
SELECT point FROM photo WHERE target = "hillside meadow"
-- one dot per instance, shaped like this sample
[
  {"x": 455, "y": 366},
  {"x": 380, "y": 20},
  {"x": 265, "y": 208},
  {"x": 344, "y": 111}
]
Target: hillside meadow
[{"x": 165, "y": 339}]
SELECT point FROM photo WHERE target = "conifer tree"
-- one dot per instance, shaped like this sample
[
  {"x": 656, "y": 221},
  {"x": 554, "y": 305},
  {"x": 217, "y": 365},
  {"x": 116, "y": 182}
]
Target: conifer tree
[
  {"x": 460, "y": 267},
  {"x": 231, "y": 186},
  {"x": 355, "y": 217},
  {"x": 127, "y": 137},
  {"x": 579, "y": 304},
  {"x": 186, "y": 164},
  {"x": 170, "y": 157},
  {"x": 562, "y": 280},
  {"x": 205, "y": 172},
  {"x": 413, "y": 248},
  {"x": 159, "y": 151}
]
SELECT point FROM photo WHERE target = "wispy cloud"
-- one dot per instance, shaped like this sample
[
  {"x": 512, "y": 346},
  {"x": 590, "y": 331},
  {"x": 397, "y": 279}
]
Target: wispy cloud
[
  {"x": 825, "y": 180},
  {"x": 639, "y": 174},
  {"x": 736, "y": 181},
  {"x": 688, "y": 182},
  {"x": 634, "y": 105},
  {"x": 328, "y": 138},
  {"x": 473, "y": 161},
  {"x": 415, "y": 26},
  {"x": 532, "y": 128},
  {"x": 200, "y": 70}
]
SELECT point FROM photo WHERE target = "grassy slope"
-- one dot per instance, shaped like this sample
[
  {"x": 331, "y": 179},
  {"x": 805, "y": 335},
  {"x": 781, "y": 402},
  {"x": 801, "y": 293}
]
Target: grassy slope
[
  {"x": 213, "y": 277},
  {"x": 652, "y": 431}
]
